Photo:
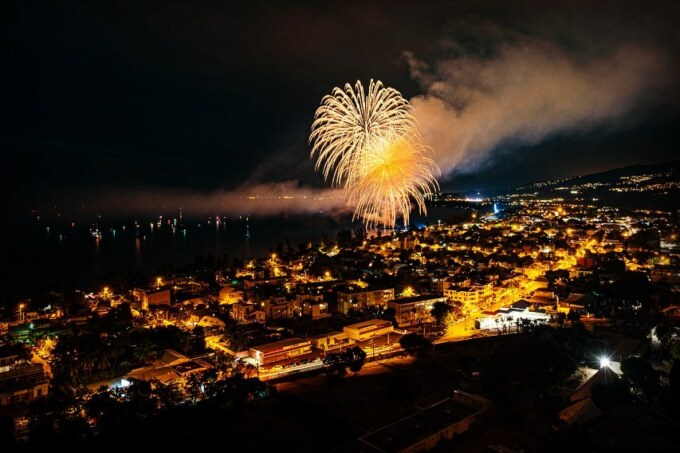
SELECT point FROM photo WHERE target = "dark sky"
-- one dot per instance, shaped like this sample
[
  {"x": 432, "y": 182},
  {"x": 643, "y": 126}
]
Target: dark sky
[{"x": 206, "y": 96}]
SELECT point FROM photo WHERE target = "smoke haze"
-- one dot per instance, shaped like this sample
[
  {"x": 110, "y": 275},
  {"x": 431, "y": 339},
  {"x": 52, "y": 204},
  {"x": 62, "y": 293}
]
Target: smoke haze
[
  {"x": 527, "y": 91},
  {"x": 258, "y": 200}
]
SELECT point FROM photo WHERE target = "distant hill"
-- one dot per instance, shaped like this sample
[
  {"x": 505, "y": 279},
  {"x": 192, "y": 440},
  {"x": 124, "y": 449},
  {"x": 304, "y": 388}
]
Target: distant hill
[
  {"x": 654, "y": 186},
  {"x": 665, "y": 170}
]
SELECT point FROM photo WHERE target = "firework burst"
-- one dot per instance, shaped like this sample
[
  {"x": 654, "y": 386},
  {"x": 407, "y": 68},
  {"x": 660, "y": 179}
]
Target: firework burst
[
  {"x": 350, "y": 121},
  {"x": 368, "y": 142},
  {"x": 395, "y": 175}
]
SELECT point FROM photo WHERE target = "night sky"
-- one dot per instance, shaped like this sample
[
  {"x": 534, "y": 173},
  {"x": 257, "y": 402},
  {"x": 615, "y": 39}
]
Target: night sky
[{"x": 208, "y": 96}]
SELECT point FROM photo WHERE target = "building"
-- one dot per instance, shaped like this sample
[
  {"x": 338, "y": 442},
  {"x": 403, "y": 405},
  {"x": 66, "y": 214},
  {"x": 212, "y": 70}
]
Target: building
[
  {"x": 277, "y": 307},
  {"x": 172, "y": 366},
  {"x": 508, "y": 317},
  {"x": 246, "y": 312},
  {"x": 421, "y": 431},
  {"x": 281, "y": 350},
  {"x": 474, "y": 294},
  {"x": 149, "y": 297},
  {"x": 471, "y": 399},
  {"x": 357, "y": 299},
  {"x": 317, "y": 288},
  {"x": 315, "y": 308},
  {"x": 230, "y": 295},
  {"x": 368, "y": 329},
  {"x": 20, "y": 380},
  {"x": 332, "y": 341},
  {"x": 542, "y": 297},
  {"x": 575, "y": 302},
  {"x": 409, "y": 311},
  {"x": 299, "y": 298},
  {"x": 274, "y": 281},
  {"x": 665, "y": 274}
]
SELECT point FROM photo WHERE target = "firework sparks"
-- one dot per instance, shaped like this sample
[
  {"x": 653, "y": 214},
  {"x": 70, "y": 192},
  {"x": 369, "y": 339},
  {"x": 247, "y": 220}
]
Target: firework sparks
[
  {"x": 350, "y": 121},
  {"x": 391, "y": 176},
  {"x": 368, "y": 142}
]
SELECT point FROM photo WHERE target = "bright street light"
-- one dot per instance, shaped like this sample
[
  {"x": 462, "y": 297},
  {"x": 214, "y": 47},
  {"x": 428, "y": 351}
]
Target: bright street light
[{"x": 604, "y": 362}]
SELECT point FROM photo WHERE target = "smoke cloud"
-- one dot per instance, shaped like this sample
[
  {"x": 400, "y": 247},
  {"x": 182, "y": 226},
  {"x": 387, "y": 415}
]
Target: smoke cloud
[
  {"x": 527, "y": 91},
  {"x": 257, "y": 200}
]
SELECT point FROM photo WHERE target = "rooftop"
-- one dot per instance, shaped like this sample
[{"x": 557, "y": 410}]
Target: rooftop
[
  {"x": 421, "y": 298},
  {"x": 414, "y": 428},
  {"x": 369, "y": 323},
  {"x": 271, "y": 347}
]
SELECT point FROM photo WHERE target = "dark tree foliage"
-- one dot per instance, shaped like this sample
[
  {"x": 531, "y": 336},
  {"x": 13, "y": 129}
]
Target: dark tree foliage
[
  {"x": 74, "y": 417},
  {"x": 527, "y": 365},
  {"x": 415, "y": 344},
  {"x": 440, "y": 310},
  {"x": 337, "y": 364},
  {"x": 609, "y": 394},
  {"x": 640, "y": 374}
]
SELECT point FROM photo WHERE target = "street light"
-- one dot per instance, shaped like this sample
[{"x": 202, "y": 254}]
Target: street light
[{"x": 604, "y": 362}]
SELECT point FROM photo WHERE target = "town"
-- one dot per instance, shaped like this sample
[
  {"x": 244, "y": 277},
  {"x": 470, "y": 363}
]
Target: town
[{"x": 603, "y": 281}]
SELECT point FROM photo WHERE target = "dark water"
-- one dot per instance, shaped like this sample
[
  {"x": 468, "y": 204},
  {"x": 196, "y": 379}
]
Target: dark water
[
  {"x": 64, "y": 257},
  {"x": 43, "y": 255}
]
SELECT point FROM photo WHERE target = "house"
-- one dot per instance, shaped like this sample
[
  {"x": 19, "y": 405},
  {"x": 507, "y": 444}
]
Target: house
[
  {"x": 246, "y": 312},
  {"x": 273, "y": 281},
  {"x": 542, "y": 297},
  {"x": 268, "y": 353},
  {"x": 665, "y": 274},
  {"x": 422, "y": 430},
  {"x": 358, "y": 298},
  {"x": 151, "y": 297},
  {"x": 230, "y": 295},
  {"x": 575, "y": 302},
  {"x": 368, "y": 329},
  {"x": 172, "y": 366},
  {"x": 332, "y": 341},
  {"x": 317, "y": 309},
  {"x": 20, "y": 380},
  {"x": 508, "y": 317},
  {"x": 474, "y": 294},
  {"x": 409, "y": 311},
  {"x": 277, "y": 307}
]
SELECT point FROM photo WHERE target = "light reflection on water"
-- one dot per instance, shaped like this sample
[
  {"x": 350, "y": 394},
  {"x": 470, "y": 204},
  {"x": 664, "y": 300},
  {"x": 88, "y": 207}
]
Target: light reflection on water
[{"x": 70, "y": 257}]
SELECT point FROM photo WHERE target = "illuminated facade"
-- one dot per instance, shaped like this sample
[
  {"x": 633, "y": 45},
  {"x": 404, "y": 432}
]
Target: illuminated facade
[
  {"x": 409, "y": 311},
  {"x": 360, "y": 299}
]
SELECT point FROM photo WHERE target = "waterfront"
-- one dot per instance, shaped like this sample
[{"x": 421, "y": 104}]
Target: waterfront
[{"x": 66, "y": 257}]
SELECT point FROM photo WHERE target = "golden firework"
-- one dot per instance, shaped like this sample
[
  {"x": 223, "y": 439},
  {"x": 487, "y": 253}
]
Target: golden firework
[
  {"x": 393, "y": 175},
  {"x": 349, "y": 122},
  {"x": 369, "y": 143}
]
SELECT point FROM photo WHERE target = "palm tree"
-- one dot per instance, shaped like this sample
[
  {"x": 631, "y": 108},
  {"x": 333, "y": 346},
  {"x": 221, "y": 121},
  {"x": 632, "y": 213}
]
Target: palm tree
[{"x": 144, "y": 351}]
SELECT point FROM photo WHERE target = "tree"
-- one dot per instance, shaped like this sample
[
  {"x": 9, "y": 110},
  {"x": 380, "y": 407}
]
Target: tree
[
  {"x": 605, "y": 396},
  {"x": 144, "y": 351},
  {"x": 440, "y": 311},
  {"x": 640, "y": 374},
  {"x": 336, "y": 368},
  {"x": 415, "y": 344},
  {"x": 573, "y": 316},
  {"x": 355, "y": 358},
  {"x": 197, "y": 344}
]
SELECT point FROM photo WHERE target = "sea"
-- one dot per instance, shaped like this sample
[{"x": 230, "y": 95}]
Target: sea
[{"x": 43, "y": 256}]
